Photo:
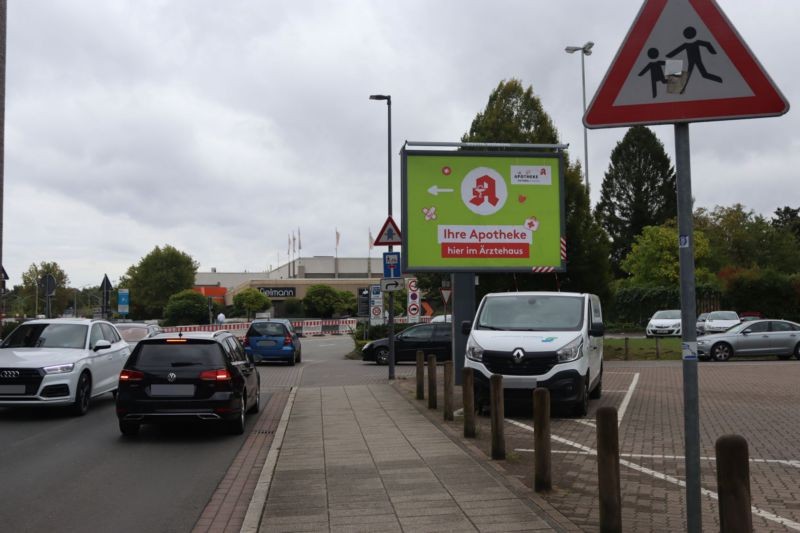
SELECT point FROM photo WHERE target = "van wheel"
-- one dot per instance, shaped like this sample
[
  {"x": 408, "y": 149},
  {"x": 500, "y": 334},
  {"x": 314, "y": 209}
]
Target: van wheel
[
  {"x": 597, "y": 391},
  {"x": 581, "y": 407}
]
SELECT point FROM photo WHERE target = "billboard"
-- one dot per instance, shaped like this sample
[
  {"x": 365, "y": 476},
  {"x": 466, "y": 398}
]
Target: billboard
[{"x": 483, "y": 211}]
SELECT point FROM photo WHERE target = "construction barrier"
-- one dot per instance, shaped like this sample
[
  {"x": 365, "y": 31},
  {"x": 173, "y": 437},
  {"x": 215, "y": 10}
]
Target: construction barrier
[{"x": 307, "y": 328}]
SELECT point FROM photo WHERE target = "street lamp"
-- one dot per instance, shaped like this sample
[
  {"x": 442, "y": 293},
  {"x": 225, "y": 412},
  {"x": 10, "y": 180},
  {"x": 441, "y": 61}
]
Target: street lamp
[
  {"x": 388, "y": 99},
  {"x": 585, "y": 50}
]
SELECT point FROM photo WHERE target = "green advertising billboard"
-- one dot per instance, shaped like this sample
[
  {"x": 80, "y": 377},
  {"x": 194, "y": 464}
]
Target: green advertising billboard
[{"x": 483, "y": 212}]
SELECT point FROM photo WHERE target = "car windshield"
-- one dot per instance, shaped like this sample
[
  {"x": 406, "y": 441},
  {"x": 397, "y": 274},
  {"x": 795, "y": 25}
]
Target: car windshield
[
  {"x": 669, "y": 315},
  {"x": 723, "y": 315},
  {"x": 47, "y": 336},
  {"x": 132, "y": 333},
  {"x": 159, "y": 355},
  {"x": 520, "y": 312}
]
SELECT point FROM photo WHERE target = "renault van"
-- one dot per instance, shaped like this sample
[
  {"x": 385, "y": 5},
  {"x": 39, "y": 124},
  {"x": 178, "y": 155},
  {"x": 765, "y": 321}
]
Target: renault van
[{"x": 538, "y": 339}]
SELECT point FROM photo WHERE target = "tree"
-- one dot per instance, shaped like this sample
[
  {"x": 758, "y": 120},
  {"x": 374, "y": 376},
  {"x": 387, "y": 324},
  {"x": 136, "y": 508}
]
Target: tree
[
  {"x": 516, "y": 115},
  {"x": 186, "y": 307},
  {"x": 33, "y": 289},
  {"x": 293, "y": 307},
  {"x": 653, "y": 259},
  {"x": 251, "y": 301},
  {"x": 789, "y": 219},
  {"x": 323, "y": 301},
  {"x": 157, "y": 276},
  {"x": 638, "y": 190}
]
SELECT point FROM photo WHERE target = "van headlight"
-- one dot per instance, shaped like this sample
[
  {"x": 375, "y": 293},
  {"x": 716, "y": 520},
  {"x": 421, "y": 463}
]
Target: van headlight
[
  {"x": 474, "y": 351},
  {"x": 571, "y": 351},
  {"x": 59, "y": 369}
]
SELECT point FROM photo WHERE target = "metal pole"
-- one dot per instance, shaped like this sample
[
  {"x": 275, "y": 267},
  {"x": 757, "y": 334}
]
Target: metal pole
[
  {"x": 585, "y": 137},
  {"x": 391, "y": 248},
  {"x": 691, "y": 414},
  {"x": 3, "y": 14}
]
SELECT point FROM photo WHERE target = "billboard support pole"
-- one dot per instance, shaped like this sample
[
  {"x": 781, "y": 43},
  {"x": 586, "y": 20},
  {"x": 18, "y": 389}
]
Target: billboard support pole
[{"x": 462, "y": 310}]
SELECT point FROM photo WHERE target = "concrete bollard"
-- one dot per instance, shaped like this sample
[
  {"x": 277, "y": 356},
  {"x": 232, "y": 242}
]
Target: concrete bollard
[
  {"x": 608, "y": 470},
  {"x": 498, "y": 416},
  {"x": 432, "y": 382},
  {"x": 420, "y": 375},
  {"x": 627, "y": 341},
  {"x": 542, "y": 474},
  {"x": 448, "y": 390},
  {"x": 468, "y": 398},
  {"x": 733, "y": 484}
]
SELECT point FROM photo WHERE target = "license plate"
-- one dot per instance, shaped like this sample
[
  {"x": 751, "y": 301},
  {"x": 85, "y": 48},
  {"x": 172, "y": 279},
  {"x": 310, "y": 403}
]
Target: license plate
[
  {"x": 171, "y": 390},
  {"x": 12, "y": 389},
  {"x": 267, "y": 343}
]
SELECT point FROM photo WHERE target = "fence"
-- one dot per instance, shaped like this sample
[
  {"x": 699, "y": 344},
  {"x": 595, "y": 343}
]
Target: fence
[{"x": 306, "y": 328}]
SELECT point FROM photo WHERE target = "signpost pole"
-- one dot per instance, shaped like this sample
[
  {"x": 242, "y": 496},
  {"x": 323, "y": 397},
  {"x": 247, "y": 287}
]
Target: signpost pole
[
  {"x": 462, "y": 310},
  {"x": 691, "y": 415}
]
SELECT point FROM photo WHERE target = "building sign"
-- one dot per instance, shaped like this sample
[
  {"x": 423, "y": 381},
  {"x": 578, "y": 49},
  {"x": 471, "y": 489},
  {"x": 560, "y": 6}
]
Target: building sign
[
  {"x": 483, "y": 212},
  {"x": 279, "y": 292}
]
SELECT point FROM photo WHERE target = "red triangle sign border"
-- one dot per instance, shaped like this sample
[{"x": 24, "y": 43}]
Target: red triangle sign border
[{"x": 384, "y": 239}]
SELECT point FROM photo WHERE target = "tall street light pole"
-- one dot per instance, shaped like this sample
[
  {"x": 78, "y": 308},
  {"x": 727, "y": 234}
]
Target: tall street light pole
[
  {"x": 388, "y": 99},
  {"x": 585, "y": 50}
]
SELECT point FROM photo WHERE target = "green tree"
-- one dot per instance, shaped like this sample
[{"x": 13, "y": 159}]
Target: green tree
[
  {"x": 293, "y": 307},
  {"x": 158, "y": 275},
  {"x": 33, "y": 289},
  {"x": 638, "y": 190},
  {"x": 323, "y": 301},
  {"x": 515, "y": 115},
  {"x": 186, "y": 307},
  {"x": 653, "y": 259},
  {"x": 789, "y": 219},
  {"x": 251, "y": 301}
]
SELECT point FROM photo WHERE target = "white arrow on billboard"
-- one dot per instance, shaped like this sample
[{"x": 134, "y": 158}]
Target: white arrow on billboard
[{"x": 435, "y": 190}]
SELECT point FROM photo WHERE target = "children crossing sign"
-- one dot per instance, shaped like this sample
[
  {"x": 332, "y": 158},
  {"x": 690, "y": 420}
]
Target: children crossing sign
[{"x": 683, "y": 61}]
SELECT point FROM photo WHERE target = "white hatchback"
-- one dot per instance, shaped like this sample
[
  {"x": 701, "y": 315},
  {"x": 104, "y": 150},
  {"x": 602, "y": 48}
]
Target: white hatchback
[{"x": 60, "y": 361}]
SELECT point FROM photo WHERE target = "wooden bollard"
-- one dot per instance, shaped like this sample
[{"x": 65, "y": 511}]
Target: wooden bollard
[
  {"x": 658, "y": 349},
  {"x": 498, "y": 415},
  {"x": 626, "y": 347},
  {"x": 431, "y": 381},
  {"x": 420, "y": 375},
  {"x": 542, "y": 476},
  {"x": 468, "y": 397},
  {"x": 733, "y": 484},
  {"x": 608, "y": 470},
  {"x": 448, "y": 390}
]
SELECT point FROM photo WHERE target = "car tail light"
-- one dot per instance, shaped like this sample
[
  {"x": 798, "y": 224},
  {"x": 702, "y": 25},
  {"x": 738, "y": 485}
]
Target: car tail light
[
  {"x": 218, "y": 374},
  {"x": 246, "y": 341},
  {"x": 131, "y": 375},
  {"x": 287, "y": 340}
]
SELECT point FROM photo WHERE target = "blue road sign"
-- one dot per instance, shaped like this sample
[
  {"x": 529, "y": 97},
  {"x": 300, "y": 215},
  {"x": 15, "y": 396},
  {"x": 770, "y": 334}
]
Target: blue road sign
[{"x": 391, "y": 264}]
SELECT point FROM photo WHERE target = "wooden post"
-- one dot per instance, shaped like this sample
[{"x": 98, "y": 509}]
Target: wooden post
[
  {"x": 658, "y": 349},
  {"x": 468, "y": 396},
  {"x": 626, "y": 347},
  {"x": 608, "y": 486},
  {"x": 448, "y": 390},
  {"x": 543, "y": 479},
  {"x": 431, "y": 381},
  {"x": 420, "y": 375},
  {"x": 498, "y": 416},
  {"x": 733, "y": 484}
]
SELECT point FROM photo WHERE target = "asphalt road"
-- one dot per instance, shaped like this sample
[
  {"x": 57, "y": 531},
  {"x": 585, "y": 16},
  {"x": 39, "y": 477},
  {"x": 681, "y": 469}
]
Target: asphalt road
[{"x": 60, "y": 473}]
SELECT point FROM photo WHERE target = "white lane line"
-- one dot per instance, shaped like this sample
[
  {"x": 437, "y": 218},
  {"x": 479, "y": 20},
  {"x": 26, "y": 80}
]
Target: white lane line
[
  {"x": 785, "y": 462},
  {"x": 665, "y": 477},
  {"x": 324, "y": 345},
  {"x": 627, "y": 399}
]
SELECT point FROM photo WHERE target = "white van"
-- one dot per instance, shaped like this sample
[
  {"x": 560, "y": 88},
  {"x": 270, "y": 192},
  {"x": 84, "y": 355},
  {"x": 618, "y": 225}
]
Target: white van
[{"x": 538, "y": 339}]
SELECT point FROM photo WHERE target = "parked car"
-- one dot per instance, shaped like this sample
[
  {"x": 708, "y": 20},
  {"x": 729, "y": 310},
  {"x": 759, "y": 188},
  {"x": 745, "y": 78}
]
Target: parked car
[
  {"x": 700, "y": 327},
  {"x": 538, "y": 339},
  {"x": 60, "y": 361},
  {"x": 133, "y": 332},
  {"x": 442, "y": 318},
  {"x": 272, "y": 340},
  {"x": 433, "y": 338},
  {"x": 752, "y": 338},
  {"x": 664, "y": 324},
  {"x": 196, "y": 376},
  {"x": 719, "y": 321}
]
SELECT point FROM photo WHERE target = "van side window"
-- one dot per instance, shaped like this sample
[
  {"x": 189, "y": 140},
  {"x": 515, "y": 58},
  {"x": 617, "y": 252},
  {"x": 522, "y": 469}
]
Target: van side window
[{"x": 595, "y": 309}]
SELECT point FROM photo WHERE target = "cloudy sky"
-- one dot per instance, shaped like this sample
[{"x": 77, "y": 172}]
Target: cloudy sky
[{"x": 222, "y": 127}]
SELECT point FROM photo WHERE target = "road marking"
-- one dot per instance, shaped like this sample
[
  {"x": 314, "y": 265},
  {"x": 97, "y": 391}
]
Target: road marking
[
  {"x": 324, "y": 345},
  {"x": 664, "y": 477},
  {"x": 627, "y": 399}
]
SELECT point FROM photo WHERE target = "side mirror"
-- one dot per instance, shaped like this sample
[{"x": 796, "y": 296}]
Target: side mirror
[
  {"x": 466, "y": 327},
  {"x": 597, "y": 330},
  {"x": 746, "y": 332},
  {"x": 102, "y": 344}
]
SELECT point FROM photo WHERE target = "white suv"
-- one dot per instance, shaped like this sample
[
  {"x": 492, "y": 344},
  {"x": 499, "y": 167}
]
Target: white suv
[{"x": 60, "y": 361}]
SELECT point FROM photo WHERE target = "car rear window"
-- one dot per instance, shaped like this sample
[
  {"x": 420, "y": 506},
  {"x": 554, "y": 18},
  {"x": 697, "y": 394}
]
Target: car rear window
[
  {"x": 266, "y": 329},
  {"x": 161, "y": 354}
]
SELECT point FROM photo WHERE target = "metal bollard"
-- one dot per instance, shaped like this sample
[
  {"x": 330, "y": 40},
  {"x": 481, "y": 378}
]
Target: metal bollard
[
  {"x": 498, "y": 416},
  {"x": 733, "y": 484},
  {"x": 448, "y": 390},
  {"x": 431, "y": 381},
  {"x": 542, "y": 475},
  {"x": 420, "y": 375},
  {"x": 468, "y": 397},
  {"x": 608, "y": 470}
]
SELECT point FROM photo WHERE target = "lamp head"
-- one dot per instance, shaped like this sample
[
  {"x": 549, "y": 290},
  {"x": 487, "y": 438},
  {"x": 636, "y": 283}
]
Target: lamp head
[{"x": 380, "y": 97}]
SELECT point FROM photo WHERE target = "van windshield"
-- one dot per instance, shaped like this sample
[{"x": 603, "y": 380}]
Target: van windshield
[{"x": 518, "y": 312}]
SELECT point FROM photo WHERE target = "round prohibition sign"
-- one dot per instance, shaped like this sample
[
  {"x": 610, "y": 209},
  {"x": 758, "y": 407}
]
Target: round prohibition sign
[
  {"x": 376, "y": 311},
  {"x": 412, "y": 284},
  {"x": 413, "y": 309}
]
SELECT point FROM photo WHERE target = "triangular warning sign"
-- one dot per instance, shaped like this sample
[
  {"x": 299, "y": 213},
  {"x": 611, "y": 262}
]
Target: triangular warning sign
[
  {"x": 389, "y": 234},
  {"x": 683, "y": 61},
  {"x": 446, "y": 295}
]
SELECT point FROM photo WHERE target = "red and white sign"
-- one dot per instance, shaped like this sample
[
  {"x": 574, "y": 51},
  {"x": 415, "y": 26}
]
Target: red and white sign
[
  {"x": 446, "y": 295},
  {"x": 389, "y": 235},
  {"x": 412, "y": 304},
  {"x": 683, "y": 61},
  {"x": 413, "y": 310}
]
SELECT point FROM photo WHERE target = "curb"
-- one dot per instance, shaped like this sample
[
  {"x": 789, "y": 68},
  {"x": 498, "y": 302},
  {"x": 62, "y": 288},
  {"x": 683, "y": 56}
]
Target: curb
[{"x": 252, "y": 519}]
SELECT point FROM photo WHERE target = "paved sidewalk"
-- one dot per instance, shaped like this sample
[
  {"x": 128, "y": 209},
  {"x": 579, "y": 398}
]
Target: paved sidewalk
[{"x": 363, "y": 458}]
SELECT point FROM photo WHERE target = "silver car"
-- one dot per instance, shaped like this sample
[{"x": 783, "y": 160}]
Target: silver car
[{"x": 754, "y": 338}]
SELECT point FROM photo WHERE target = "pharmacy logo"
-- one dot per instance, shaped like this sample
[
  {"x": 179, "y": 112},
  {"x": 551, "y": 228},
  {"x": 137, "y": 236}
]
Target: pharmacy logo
[{"x": 484, "y": 191}]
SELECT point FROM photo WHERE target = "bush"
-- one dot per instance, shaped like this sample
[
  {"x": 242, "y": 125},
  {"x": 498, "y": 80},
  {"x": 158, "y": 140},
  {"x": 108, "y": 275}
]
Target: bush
[
  {"x": 186, "y": 307},
  {"x": 377, "y": 332}
]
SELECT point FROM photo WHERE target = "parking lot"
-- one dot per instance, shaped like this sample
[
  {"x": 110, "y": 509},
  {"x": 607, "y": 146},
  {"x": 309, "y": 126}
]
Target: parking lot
[{"x": 756, "y": 399}]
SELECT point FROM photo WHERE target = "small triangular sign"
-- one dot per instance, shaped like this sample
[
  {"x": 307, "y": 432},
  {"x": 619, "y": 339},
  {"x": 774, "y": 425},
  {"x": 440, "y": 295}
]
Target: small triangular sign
[
  {"x": 446, "y": 295},
  {"x": 105, "y": 285},
  {"x": 389, "y": 234},
  {"x": 683, "y": 61},
  {"x": 4, "y": 274}
]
